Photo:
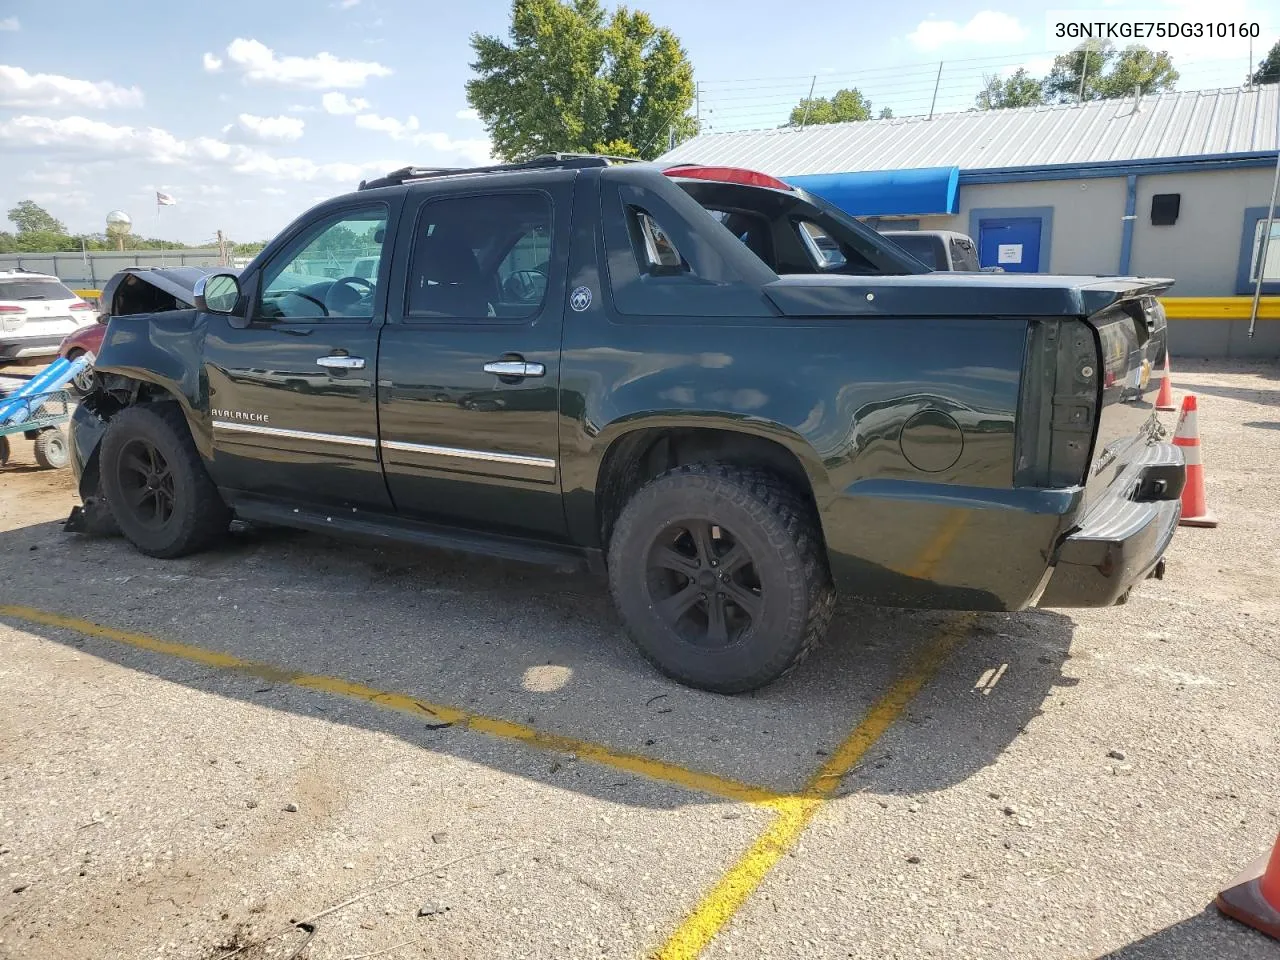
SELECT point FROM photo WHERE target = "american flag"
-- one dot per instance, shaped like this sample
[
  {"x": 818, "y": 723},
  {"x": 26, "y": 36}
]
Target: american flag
[{"x": 164, "y": 200}]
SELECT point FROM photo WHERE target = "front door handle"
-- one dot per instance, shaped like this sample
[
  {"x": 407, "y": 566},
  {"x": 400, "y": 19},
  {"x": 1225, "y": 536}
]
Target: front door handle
[
  {"x": 341, "y": 363},
  {"x": 515, "y": 368}
]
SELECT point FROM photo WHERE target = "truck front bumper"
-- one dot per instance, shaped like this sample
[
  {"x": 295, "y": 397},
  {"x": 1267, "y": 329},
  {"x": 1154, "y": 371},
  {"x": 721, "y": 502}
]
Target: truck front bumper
[{"x": 1123, "y": 535}]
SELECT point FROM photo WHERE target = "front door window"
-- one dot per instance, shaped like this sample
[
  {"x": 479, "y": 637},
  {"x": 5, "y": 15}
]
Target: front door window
[{"x": 331, "y": 271}]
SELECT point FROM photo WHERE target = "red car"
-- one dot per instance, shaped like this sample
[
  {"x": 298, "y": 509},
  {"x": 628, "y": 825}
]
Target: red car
[{"x": 132, "y": 290}]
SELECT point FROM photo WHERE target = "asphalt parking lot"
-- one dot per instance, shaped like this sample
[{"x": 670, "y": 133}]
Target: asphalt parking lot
[{"x": 419, "y": 754}]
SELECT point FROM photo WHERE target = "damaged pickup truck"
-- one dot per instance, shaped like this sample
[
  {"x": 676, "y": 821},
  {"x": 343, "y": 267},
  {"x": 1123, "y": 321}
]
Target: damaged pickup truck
[{"x": 659, "y": 374}]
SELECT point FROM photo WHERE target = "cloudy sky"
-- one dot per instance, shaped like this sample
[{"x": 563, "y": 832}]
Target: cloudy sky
[{"x": 246, "y": 113}]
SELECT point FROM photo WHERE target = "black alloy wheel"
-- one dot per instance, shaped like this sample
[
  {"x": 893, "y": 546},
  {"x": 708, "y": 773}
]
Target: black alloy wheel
[
  {"x": 702, "y": 581},
  {"x": 147, "y": 483}
]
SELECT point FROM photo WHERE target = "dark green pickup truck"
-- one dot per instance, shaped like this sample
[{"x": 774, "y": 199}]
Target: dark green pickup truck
[{"x": 661, "y": 374}]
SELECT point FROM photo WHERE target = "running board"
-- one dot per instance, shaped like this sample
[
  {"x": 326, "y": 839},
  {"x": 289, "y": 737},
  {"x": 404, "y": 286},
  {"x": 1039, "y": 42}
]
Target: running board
[{"x": 412, "y": 532}]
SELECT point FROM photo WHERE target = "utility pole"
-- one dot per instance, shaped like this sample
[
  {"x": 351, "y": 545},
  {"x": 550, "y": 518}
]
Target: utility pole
[
  {"x": 222, "y": 250},
  {"x": 1263, "y": 251},
  {"x": 936, "y": 83},
  {"x": 808, "y": 101},
  {"x": 697, "y": 105},
  {"x": 1084, "y": 71}
]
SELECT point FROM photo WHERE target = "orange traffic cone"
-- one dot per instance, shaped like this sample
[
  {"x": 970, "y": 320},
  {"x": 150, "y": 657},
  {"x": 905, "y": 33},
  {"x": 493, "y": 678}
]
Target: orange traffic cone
[
  {"x": 1164, "y": 399},
  {"x": 1254, "y": 896},
  {"x": 1195, "y": 511}
]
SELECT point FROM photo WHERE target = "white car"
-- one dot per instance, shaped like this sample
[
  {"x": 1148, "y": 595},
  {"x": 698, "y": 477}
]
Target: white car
[{"x": 36, "y": 312}]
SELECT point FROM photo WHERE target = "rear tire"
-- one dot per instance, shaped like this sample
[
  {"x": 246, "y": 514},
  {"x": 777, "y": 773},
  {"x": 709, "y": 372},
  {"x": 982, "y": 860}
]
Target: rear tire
[
  {"x": 51, "y": 449},
  {"x": 4, "y": 450},
  {"x": 720, "y": 575},
  {"x": 156, "y": 485}
]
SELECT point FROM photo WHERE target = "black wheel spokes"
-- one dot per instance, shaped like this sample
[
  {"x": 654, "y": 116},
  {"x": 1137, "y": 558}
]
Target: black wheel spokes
[
  {"x": 147, "y": 483},
  {"x": 703, "y": 583}
]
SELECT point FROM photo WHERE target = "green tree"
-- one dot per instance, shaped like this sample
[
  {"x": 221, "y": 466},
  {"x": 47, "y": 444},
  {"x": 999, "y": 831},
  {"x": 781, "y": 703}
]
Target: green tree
[
  {"x": 886, "y": 113},
  {"x": 1108, "y": 73},
  {"x": 1269, "y": 69},
  {"x": 1090, "y": 60},
  {"x": 1138, "y": 68},
  {"x": 845, "y": 106},
  {"x": 1019, "y": 89},
  {"x": 570, "y": 80},
  {"x": 29, "y": 217}
]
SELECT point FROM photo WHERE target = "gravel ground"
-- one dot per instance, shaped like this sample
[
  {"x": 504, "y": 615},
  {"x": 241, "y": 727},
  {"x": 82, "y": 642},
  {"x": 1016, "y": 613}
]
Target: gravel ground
[{"x": 1068, "y": 786}]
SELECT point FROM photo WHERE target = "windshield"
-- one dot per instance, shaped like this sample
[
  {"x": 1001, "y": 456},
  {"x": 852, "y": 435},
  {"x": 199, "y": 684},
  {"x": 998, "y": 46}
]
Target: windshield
[{"x": 34, "y": 290}]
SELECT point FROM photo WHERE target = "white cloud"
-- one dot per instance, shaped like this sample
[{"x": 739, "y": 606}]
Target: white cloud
[
  {"x": 265, "y": 129},
  {"x": 91, "y": 141},
  {"x": 259, "y": 63},
  {"x": 395, "y": 129},
  {"x": 470, "y": 113},
  {"x": 60, "y": 178},
  {"x": 21, "y": 89},
  {"x": 10, "y": 24},
  {"x": 347, "y": 4},
  {"x": 211, "y": 63},
  {"x": 340, "y": 103},
  {"x": 985, "y": 27},
  {"x": 473, "y": 150},
  {"x": 302, "y": 108},
  {"x": 274, "y": 191}
]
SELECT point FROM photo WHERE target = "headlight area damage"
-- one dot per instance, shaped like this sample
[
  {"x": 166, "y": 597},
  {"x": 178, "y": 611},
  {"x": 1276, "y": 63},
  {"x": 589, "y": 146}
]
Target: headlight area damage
[{"x": 148, "y": 312}]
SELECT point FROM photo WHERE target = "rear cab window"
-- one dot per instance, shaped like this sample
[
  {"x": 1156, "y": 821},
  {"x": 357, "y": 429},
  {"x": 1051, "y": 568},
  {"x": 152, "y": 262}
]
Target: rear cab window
[{"x": 794, "y": 232}]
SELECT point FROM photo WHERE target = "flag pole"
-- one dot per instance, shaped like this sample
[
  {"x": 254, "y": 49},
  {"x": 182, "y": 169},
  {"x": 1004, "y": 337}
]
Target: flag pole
[{"x": 158, "y": 237}]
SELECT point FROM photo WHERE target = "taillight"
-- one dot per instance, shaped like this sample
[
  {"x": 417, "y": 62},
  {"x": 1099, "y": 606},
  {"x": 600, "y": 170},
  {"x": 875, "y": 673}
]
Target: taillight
[
  {"x": 750, "y": 178},
  {"x": 81, "y": 305},
  {"x": 1058, "y": 407},
  {"x": 6, "y": 308}
]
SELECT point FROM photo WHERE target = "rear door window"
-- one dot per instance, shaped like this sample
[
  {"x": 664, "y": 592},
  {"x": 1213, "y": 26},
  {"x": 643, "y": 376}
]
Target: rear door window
[{"x": 480, "y": 257}]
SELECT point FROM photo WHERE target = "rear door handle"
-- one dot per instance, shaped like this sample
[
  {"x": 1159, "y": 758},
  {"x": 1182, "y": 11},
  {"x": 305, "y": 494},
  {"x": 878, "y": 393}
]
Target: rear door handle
[
  {"x": 341, "y": 363},
  {"x": 515, "y": 368}
]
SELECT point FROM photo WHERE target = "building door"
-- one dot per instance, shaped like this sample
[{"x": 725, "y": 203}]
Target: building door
[{"x": 1012, "y": 243}]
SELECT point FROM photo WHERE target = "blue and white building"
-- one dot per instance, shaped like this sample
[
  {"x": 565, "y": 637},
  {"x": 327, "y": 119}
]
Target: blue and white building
[{"x": 1174, "y": 184}]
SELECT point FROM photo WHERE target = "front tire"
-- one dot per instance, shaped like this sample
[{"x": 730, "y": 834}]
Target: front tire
[
  {"x": 720, "y": 576},
  {"x": 156, "y": 485}
]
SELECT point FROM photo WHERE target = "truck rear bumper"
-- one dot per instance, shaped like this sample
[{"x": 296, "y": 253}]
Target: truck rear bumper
[{"x": 1120, "y": 540}]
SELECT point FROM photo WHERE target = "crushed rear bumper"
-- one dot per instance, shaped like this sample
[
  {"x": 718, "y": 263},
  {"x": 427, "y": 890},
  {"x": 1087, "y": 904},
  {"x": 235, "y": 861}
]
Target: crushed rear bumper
[{"x": 1123, "y": 536}]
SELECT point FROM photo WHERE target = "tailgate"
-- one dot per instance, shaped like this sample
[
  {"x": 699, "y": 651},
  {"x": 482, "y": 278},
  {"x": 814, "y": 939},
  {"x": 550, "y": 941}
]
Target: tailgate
[{"x": 1131, "y": 339}]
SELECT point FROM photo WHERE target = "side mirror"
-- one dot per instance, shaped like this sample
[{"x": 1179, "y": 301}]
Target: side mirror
[{"x": 217, "y": 293}]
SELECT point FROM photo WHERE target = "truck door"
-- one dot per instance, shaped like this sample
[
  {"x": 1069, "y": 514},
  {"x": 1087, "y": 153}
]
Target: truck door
[
  {"x": 291, "y": 394},
  {"x": 469, "y": 368}
]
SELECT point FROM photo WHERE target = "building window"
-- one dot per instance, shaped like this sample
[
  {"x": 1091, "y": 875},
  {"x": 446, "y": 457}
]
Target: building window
[
  {"x": 1255, "y": 224},
  {"x": 1272, "y": 270}
]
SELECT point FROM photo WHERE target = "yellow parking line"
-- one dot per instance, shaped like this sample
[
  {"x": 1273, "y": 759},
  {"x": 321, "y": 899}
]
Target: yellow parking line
[
  {"x": 719, "y": 905},
  {"x": 403, "y": 703}
]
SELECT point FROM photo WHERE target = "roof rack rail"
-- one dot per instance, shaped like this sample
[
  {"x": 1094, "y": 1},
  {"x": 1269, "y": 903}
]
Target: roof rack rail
[{"x": 564, "y": 161}]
